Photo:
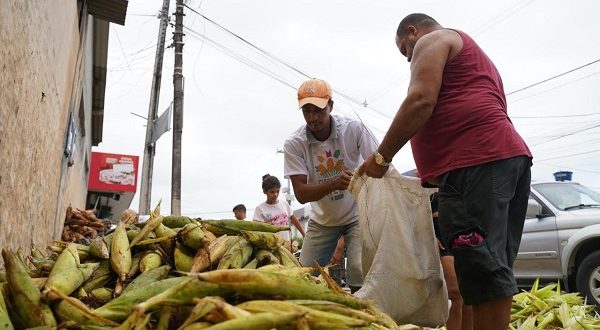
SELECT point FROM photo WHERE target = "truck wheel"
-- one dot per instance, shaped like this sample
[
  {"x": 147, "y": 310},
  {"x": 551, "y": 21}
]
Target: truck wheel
[{"x": 588, "y": 278}]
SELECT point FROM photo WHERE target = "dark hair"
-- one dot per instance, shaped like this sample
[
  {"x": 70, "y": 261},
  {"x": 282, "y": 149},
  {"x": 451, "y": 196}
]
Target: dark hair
[
  {"x": 239, "y": 207},
  {"x": 417, "y": 20},
  {"x": 269, "y": 181}
]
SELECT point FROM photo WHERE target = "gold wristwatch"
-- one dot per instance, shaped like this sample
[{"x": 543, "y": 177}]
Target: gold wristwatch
[{"x": 380, "y": 160}]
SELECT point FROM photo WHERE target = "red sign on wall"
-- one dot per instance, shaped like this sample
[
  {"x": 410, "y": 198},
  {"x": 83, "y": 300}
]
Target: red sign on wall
[{"x": 113, "y": 172}]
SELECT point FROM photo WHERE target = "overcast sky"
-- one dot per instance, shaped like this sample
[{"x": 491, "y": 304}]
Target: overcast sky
[{"x": 240, "y": 103}]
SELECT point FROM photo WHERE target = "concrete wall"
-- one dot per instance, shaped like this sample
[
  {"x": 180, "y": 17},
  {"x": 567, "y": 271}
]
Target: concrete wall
[{"x": 42, "y": 60}]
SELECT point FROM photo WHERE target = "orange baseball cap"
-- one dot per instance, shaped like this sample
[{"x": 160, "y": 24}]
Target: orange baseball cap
[{"x": 314, "y": 91}]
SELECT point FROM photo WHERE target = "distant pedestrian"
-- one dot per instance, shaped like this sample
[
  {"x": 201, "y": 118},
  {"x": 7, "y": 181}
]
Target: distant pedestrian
[{"x": 239, "y": 211}]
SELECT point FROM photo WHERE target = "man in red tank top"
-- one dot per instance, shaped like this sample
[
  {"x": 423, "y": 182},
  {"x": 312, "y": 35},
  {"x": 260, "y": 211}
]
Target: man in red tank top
[{"x": 463, "y": 141}]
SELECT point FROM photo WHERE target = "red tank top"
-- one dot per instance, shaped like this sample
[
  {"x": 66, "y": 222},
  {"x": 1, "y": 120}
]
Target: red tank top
[{"x": 469, "y": 124}]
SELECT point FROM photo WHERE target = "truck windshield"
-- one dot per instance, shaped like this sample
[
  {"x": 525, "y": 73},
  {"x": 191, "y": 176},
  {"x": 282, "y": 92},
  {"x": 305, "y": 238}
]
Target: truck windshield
[{"x": 568, "y": 195}]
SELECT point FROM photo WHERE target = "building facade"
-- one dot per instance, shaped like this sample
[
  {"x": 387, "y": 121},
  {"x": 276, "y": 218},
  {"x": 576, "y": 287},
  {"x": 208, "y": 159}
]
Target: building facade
[{"x": 53, "y": 62}]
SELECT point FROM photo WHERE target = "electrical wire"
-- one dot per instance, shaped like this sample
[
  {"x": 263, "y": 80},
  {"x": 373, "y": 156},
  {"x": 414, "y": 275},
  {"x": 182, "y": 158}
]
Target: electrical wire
[
  {"x": 570, "y": 155},
  {"x": 553, "y": 77}
]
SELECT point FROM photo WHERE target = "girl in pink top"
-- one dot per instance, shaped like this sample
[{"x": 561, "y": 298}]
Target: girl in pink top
[{"x": 275, "y": 211}]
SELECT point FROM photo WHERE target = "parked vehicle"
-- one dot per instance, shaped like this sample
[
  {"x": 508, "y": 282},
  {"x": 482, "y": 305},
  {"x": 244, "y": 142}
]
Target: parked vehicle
[{"x": 561, "y": 238}]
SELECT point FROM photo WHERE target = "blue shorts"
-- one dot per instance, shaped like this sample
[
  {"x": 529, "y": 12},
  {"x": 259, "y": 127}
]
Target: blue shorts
[{"x": 489, "y": 202}]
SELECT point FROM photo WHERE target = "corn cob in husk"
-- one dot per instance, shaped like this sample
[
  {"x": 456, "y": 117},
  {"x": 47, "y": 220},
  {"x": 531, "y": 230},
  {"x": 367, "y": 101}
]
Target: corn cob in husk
[
  {"x": 27, "y": 299},
  {"x": 237, "y": 256},
  {"x": 120, "y": 256},
  {"x": 5, "y": 322},
  {"x": 264, "y": 240},
  {"x": 245, "y": 282},
  {"x": 67, "y": 274},
  {"x": 234, "y": 227},
  {"x": 193, "y": 236}
]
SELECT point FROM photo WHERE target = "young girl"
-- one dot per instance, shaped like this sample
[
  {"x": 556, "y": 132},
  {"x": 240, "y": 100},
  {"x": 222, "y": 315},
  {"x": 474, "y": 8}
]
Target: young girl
[{"x": 274, "y": 211}]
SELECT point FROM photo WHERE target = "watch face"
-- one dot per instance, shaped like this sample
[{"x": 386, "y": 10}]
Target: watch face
[{"x": 379, "y": 159}]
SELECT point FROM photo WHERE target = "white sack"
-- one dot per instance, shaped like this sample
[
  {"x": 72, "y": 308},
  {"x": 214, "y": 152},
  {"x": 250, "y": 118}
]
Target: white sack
[{"x": 400, "y": 256}]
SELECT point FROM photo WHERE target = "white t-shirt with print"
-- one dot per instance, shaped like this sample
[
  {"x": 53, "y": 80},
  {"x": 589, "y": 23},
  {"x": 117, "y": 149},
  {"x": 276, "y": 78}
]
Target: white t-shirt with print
[
  {"x": 277, "y": 214},
  {"x": 348, "y": 145}
]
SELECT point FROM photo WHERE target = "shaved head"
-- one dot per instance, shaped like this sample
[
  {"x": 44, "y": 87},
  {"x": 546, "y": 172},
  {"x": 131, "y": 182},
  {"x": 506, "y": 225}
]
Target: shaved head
[{"x": 417, "y": 20}]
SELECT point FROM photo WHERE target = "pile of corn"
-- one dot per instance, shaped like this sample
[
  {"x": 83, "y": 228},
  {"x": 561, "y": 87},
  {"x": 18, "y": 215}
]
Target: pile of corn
[
  {"x": 176, "y": 273},
  {"x": 549, "y": 308},
  {"x": 82, "y": 225}
]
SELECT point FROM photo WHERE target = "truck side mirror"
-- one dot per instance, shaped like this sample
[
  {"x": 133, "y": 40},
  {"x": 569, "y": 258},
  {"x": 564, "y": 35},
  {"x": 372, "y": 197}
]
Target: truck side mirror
[{"x": 533, "y": 208}]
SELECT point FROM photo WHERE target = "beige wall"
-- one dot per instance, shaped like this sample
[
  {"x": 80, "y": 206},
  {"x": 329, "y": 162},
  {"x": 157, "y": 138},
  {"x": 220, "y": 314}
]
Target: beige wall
[{"x": 40, "y": 60}]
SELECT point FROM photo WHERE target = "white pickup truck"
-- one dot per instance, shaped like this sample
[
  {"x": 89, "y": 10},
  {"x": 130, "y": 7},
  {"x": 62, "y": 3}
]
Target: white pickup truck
[{"x": 561, "y": 238}]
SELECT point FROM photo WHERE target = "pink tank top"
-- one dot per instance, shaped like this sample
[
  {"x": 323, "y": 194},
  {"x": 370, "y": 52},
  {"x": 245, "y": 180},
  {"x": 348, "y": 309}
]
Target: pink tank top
[{"x": 469, "y": 124}]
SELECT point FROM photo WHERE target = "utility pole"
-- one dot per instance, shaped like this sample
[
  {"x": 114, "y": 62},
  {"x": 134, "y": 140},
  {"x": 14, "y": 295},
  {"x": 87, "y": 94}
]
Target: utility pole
[
  {"x": 149, "y": 146},
  {"x": 177, "y": 111}
]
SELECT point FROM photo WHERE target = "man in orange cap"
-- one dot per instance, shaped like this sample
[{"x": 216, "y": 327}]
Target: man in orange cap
[{"x": 319, "y": 159}]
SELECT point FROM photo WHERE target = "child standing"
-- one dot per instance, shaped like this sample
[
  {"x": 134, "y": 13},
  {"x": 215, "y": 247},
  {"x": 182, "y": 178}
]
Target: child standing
[{"x": 275, "y": 211}]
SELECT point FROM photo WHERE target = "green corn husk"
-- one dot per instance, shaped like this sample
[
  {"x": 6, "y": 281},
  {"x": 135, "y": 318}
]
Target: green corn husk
[
  {"x": 27, "y": 299},
  {"x": 197, "y": 326},
  {"x": 264, "y": 240},
  {"x": 287, "y": 258},
  {"x": 73, "y": 309},
  {"x": 260, "y": 321},
  {"x": 234, "y": 227},
  {"x": 150, "y": 260},
  {"x": 164, "y": 318},
  {"x": 148, "y": 277},
  {"x": 237, "y": 256},
  {"x": 328, "y": 306},
  {"x": 193, "y": 236},
  {"x": 155, "y": 220},
  {"x": 182, "y": 293},
  {"x": 252, "y": 264},
  {"x": 37, "y": 253},
  {"x": 43, "y": 265},
  {"x": 99, "y": 248},
  {"x": 100, "y": 296},
  {"x": 120, "y": 254},
  {"x": 67, "y": 274},
  {"x": 83, "y": 250},
  {"x": 183, "y": 261},
  {"x": 549, "y": 308},
  {"x": 119, "y": 308},
  {"x": 5, "y": 322},
  {"x": 256, "y": 284},
  {"x": 316, "y": 319},
  {"x": 266, "y": 257},
  {"x": 174, "y": 221},
  {"x": 100, "y": 277},
  {"x": 202, "y": 308}
]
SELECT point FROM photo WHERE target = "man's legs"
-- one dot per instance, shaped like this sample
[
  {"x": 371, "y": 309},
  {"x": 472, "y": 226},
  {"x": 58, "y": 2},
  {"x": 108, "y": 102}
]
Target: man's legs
[
  {"x": 492, "y": 314},
  {"x": 354, "y": 275},
  {"x": 475, "y": 202},
  {"x": 461, "y": 315},
  {"x": 319, "y": 244}
]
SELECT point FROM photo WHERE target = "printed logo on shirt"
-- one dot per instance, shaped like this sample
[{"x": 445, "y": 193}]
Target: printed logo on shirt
[
  {"x": 280, "y": 219},
  {"x": 331, "y": 165}
]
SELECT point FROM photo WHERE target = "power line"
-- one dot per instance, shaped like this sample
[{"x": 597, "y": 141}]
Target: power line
[
  {"x": 555, "y": 87},
  {"x": 284, "y": 63},
  {"x": 555, "y": 116},
  {"x": 570, "y": 155},
  {"x": 568, "y": 134},
  {"x": 553, "y": 77}
]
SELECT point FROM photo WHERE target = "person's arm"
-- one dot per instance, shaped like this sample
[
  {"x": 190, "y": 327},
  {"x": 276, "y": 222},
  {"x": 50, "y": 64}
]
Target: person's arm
[
  {"x": 427, "y": 67},
  {"x": 339, "y": 252},
  {"x": 297, "y": 224},
  {"x": 310, "y": 192}
]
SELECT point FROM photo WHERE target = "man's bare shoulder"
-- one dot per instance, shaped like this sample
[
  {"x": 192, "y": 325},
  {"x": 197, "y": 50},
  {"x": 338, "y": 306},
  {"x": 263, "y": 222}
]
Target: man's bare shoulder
[{"x": 442, "y": 36}]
